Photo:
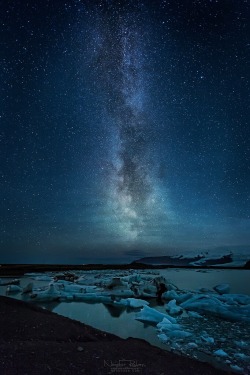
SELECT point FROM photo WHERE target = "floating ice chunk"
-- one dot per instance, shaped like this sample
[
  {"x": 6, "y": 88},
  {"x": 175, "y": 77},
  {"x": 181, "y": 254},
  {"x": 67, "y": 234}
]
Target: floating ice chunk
[
  {"x": 242, "y": 356},
  {"x": 241, "y": 299},
  {"x": 122, "y": 293},
  {"x": 172, "y": 330},
  {"x": 133, "y": 302},
  {"x": 173, "y": 308},
  {"x": 194, "y": 314},
  {"x": 214, "y": 305},
  {"x": 220, "y": 353},
  {"x": 180, "y": 298},
  {"x": 162, "y": 337},
  {"x": 207, "y": 339},
  {"x": 166, "y": 325},
  {"x": 170, "y": 294},
  {"x": 74, "y": 288},
  {"x": 122, "y": 302},
  {"x": 242, "y": 344},
  {"x": 147, "y": 314},
  {"x": 222, "y": 288},
  {"x": 178, "y": 334},
  {"x": 50, "y": 294},
  {"x": 236, "y": 368},
  {"x": 184, "y": 297},
  {"x": 192, "y": 345}
]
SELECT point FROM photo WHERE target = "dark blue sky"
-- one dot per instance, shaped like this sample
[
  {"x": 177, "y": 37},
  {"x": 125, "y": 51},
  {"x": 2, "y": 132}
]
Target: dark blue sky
[{"x": 124, "y": 129}]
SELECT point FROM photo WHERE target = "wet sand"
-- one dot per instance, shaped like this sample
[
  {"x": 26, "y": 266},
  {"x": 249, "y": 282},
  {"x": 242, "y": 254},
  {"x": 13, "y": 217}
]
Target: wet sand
[{"x": 36, "y": 341}]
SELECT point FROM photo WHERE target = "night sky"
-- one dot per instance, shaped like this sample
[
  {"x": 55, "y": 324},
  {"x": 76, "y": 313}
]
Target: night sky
[{"x": 124, "y": 129}]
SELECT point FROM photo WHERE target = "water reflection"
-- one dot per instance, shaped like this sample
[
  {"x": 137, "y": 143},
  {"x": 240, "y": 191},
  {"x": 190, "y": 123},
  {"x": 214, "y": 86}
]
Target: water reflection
[
  {"x": 115, "y": 311},
  {"x": 51, "y": 306}
]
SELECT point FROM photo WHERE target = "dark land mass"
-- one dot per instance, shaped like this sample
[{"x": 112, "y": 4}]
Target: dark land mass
[
  {"x": 21, "y": 269},
  {"x": 35, "y": 341}
]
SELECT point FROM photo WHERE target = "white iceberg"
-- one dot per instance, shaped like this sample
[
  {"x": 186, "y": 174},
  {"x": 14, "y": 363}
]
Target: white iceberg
[{"x": 147, "y": 314}]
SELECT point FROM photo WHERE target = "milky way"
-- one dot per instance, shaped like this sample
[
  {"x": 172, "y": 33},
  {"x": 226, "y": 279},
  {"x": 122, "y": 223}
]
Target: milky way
[{"x": 133, "y": 197}]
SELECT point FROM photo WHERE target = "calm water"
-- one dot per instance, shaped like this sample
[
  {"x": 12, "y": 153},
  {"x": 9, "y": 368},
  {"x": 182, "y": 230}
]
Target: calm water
[{"x": 195, "y": 279}]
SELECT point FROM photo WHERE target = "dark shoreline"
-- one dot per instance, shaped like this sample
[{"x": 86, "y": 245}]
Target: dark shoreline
[
  {"x": 35, "y": 341},
  {"x": 21, "y": 269}
]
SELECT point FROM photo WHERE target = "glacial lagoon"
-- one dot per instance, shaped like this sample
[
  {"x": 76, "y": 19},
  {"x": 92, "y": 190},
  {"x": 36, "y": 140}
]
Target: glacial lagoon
[{"x": 222, "y": 342}]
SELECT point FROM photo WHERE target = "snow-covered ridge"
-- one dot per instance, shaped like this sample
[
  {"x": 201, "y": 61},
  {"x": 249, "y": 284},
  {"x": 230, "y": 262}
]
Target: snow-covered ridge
[{"x": 208, "y": 258}]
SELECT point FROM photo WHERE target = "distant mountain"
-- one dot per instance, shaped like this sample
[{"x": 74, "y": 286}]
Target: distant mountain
[
  {"x": 226, "y": 260},
  {"x": 168, "y": 260}
]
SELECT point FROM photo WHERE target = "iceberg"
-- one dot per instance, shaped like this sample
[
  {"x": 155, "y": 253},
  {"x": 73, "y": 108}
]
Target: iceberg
[
  {"x": 166, "y": 325},
  {"x": 174, "y": 335},
  {"x": 179, "y": 297},
  {"x": 220, "y": 353},
  {"x": 192, "y": 345},
  {"x": 162, "y": 337},
  {"x": 135, "y": 303},
  {"x": 179, "y": 334},
  {"x": 222, "y": 288},
  {"x": 132, "y": 302},
  {"x": 207, "y": 339},
  {"x": 173, "y": 308},
  {"x": 50, "y": 294},
  {"x": 148, "y": 314},
  {"x": 215, "y": 306},
  {"x": 236, "y": 368},
  {"x": 194, "y": 314}
]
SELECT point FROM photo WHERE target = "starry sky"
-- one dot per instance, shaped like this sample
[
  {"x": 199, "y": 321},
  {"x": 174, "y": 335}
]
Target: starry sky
[{"x": 124, "y": 129}]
